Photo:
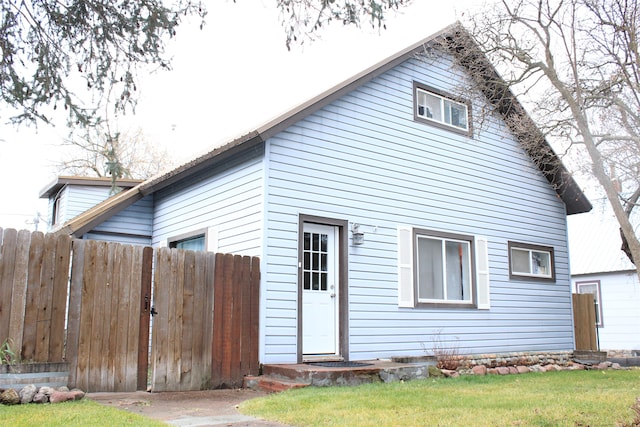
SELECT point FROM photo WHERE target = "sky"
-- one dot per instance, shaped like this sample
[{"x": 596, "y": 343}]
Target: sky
[{"x": 231, "y": 76}]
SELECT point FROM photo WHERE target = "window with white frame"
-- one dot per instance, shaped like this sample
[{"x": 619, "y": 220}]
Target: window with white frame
[
  {"x": 434, "y": 107},
  {"x": 442, "y": 269},
  {"x": 204, "y": 239},
  {"x": 528, "y": 261},
  {"x": 195, "y": 243},
  {"x": 592, "y": 287}
]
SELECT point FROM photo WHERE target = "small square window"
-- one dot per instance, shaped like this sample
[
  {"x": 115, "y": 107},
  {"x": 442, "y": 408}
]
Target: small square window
[
  {"x": 438, "y": 109},
  {"x": 531, "y": 261}
]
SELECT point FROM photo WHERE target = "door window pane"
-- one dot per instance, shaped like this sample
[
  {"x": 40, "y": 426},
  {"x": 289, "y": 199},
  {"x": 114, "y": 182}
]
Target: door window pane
[{"x": 315, "y": 259}]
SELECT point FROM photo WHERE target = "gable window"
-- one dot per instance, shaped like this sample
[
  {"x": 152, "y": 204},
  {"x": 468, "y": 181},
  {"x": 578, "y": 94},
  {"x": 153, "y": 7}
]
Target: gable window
[
  {"x": 437, "y": 108},
  {"x": 531, "y": 262},
  {"x": 442, "y": 269},
  {"x": 592, "y": 287}
]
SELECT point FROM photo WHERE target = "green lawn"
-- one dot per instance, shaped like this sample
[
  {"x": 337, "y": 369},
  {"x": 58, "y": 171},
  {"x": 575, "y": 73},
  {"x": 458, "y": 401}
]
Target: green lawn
[
  {"x": 67, "y": 414},
  {"x": 567, "y": 398}
]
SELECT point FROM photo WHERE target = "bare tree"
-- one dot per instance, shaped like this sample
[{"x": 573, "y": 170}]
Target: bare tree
[
  {"x": 102, "y": 152},
  {"x": 577, "y": 62},
  {"x": 302, "y": 19}
]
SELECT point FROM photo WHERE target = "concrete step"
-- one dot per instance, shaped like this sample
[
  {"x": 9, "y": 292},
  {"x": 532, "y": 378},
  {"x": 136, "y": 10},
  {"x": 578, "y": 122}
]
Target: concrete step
[
  {"x": 272, "y": 384},
  {"x": 366, "y": 372}
]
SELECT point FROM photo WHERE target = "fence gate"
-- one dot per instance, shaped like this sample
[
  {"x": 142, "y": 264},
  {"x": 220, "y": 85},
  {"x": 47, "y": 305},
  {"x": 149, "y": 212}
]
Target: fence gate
[
  {"x": 584, "y": 322},
  {"x": 108, "y": 332},
  {"x": 205, "y": 332}
]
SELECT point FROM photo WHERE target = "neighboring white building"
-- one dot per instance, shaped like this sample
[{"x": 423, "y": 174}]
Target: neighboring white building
[{"x": 599, "y": 266}]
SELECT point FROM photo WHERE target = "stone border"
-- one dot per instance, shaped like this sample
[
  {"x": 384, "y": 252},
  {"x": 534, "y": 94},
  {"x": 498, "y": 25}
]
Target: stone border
[
  {"x": 516, "y": 363},
  {"x": 33, "y": 394}
]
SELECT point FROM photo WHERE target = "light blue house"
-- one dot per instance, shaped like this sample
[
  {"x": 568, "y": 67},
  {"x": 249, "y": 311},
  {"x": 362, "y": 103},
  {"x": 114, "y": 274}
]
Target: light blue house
[{"x": 389, "y": 213}]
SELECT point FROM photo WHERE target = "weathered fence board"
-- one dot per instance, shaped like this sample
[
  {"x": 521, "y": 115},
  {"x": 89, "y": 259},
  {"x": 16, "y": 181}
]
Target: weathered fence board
[
  {"x": 19, "y": 292},
  {"x": 584, "y": 322}
]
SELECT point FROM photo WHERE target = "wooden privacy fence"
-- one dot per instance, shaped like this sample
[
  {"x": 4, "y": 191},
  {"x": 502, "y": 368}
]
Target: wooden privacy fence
[
  {"x": 205, "y": 334},
  {"x": 34, "y": 272},
  {"x": 584, "y": 322}
]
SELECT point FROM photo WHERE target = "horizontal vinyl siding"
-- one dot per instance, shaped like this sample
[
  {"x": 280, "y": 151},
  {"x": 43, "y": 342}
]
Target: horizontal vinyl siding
[
  {"x": 230, "y": 201},
  {"x": 364, "y": 159},
  {"x": 132, "y": 225}
]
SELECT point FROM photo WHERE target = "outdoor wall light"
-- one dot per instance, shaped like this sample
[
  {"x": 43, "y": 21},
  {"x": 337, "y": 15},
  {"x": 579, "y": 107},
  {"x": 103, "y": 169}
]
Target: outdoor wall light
[{"x": 356, "y": 234}]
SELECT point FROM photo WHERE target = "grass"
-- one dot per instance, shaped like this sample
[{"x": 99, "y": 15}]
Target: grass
[
  {"x": 66, "y": 414},
  {"x": 567, "y": 398}
]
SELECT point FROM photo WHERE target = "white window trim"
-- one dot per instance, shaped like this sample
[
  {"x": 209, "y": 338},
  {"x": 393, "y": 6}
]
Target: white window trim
[
  {"x": 210, "y": 235},
  {"x": 406, "y": 288},
  {"x": 445, "y": 300}
]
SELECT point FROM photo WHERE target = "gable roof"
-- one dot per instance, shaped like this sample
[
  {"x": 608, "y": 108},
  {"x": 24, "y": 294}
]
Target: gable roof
[{"x": 506, "y": 103}]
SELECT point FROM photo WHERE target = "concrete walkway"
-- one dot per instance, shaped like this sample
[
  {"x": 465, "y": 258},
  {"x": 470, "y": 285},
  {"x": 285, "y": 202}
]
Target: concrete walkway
[{"x": 188, "y": 408}]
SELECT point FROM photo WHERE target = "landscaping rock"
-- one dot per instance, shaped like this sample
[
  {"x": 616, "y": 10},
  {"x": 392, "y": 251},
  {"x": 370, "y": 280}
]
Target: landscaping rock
[
  {"x": 48, "y": 391},
  {"x": 450, "y": 373},
  {"x": 61, "y": 396},
  {"x": 479, "y": 370},
  {"x": 522, "y": 369},
  {"x": 77, "y": 394},
  {"x": 40, "y": 397},
  {"x": 27, "y": 393},
  {"x": 502, "y": 370},
  {"x": 513, "y": 370},
  {"x": 9, "y": 397}
]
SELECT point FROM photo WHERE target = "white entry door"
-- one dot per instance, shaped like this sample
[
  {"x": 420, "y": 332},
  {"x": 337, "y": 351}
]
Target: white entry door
[{"x": 320, "y": 290}]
